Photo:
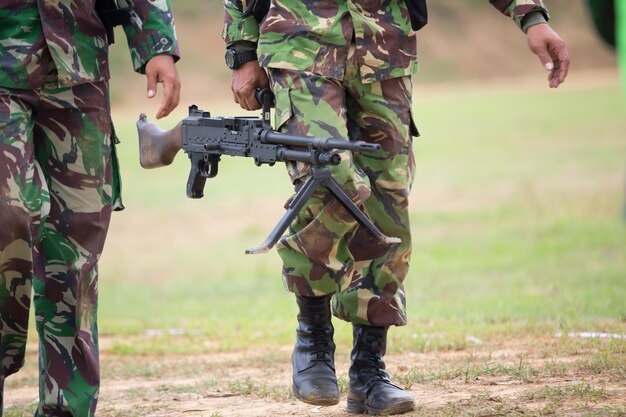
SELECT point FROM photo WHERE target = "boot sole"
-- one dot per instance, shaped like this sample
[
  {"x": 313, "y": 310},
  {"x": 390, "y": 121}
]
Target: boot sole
[
  {"x": 358, "y": 407},
  {"x": 324, "y": 401}
]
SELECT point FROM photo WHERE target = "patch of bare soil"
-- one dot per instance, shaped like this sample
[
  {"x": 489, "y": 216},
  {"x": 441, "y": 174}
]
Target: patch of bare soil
[{"x": 519, "y": 378}]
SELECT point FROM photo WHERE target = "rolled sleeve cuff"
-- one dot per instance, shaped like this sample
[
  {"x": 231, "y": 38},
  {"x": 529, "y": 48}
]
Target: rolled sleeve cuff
[
  {"x": 243, "y": 46},
  {"x": 532, "y": 19},
  {"x": 520, "y": 9},
  {"x": 146, "y": 45},
  {"x": 240, "y": 29}
]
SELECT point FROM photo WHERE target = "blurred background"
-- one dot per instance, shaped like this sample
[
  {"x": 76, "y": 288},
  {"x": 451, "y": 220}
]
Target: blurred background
[
  {"x": 464, "y": 41},
  {"x": 516, "y": 207}
]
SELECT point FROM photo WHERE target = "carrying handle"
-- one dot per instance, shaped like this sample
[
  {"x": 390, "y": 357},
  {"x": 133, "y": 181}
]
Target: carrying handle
[{"x": 265, "y": 97}]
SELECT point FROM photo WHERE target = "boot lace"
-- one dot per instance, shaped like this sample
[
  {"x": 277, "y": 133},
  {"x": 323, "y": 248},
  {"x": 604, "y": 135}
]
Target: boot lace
[
  {"x": 372, "y": 364},
  {"x": 372, "y": 371},
  {"x": 320, "y": 348}
]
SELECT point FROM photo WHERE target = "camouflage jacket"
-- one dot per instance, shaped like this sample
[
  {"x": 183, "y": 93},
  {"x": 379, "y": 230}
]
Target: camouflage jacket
[
  {"x": 314, "y": 36},
  {"x": 63, "y": 42}
]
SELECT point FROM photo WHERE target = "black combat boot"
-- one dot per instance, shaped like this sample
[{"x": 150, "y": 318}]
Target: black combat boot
[
  {"x": 371, "y": 389},
  {"x": 313, "y": 358}
]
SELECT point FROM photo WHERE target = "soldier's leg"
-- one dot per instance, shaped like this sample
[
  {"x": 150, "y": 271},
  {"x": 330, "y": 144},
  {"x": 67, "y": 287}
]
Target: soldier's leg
[
  {"x": 73, "y": 140},
  {"x": 375, "y": 300},
  {"x": 381, "y": 113},
  {"x": 24, "y": 203},
  {"x": 316, "y": 261}
]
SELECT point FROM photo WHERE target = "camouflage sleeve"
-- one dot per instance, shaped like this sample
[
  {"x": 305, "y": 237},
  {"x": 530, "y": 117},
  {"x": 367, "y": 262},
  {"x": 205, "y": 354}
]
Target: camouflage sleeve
[
  {"x": 157, "y": 35},
  {"x": 518, "y": 9},
  {"x": 236, "y": 27}
]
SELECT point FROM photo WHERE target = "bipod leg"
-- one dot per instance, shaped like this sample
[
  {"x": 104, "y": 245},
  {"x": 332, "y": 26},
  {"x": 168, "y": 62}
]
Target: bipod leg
[
  {"x": 300, "y": 199},
  {"x": 356, "y": 212}
]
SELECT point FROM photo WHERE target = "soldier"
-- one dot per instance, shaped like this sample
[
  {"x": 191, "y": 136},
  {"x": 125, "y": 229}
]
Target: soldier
[
  {"x": 342, "y": 68},
  {"x": 59, "y": 178}
]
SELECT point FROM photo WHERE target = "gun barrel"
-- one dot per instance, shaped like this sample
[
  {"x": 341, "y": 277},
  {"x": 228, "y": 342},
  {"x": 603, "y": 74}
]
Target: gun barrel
[
  {"x": 321, "y": 143},
  {"x": 157, "y": 147},
  {"x": 318, "y": 157}
]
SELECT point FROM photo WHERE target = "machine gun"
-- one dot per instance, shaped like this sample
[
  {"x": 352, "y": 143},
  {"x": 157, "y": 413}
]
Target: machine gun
[{"x": 205, "y": 139}]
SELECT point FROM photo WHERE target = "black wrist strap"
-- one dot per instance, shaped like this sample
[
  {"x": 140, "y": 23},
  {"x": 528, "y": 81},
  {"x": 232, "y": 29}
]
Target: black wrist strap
[{"x": 243, "y": 57}]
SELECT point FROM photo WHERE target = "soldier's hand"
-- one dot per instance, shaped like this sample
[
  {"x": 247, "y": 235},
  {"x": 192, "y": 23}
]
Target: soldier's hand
[
  {"x": 161, "y": 69},
  {"x": 245, "y": 81},
  {"x": 551, "y": 50}
]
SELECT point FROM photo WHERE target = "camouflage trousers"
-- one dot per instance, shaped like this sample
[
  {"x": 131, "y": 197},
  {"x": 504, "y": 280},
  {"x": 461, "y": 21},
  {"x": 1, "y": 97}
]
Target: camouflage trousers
[
  {"x": 326, "y": 251},
  {"x": 58, "y": 184}
]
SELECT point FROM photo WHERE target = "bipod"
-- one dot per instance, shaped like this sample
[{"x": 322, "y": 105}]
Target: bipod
[{"x": 320, "y": 177}]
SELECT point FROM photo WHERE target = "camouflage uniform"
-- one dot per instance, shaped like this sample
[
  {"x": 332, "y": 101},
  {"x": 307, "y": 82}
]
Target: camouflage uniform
[
  {"x": 59, "y": 183},
  {"x": 342, "y": 68}
]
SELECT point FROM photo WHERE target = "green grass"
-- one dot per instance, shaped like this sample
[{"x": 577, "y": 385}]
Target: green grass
[
  {"x": 517, "y": 218},
  {"x": 21, "y": 411},
  {"x": 248, "y": 387}
]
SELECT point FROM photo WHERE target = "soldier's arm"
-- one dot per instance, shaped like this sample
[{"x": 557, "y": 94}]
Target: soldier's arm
[
  {"x": 242, "y": 34},
  {"x": 154, "y": 50},
  {"x": 532, "y": 16},
  {"x": 237, "y": 27}
]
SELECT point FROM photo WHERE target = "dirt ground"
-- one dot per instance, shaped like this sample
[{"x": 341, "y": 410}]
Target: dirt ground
[{"x": 518, "y": 378}]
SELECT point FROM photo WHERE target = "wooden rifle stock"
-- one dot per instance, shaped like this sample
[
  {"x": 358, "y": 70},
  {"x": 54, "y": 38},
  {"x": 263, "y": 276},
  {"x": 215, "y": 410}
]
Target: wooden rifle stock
[{"x": 157, "y": 147}]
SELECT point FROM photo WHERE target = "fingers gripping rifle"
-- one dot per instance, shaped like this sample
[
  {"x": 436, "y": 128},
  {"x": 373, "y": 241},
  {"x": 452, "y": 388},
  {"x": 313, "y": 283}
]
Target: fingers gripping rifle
[{"x": 205, "y": 139}]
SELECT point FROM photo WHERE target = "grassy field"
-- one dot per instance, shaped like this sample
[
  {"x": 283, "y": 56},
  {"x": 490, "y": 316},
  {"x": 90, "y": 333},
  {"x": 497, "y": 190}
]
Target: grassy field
[
  {"x": 516, "y": 212},
  {"x": 519, "y": 227}
]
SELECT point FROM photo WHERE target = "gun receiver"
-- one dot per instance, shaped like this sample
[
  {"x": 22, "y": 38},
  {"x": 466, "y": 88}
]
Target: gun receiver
[{"x": 205, "y": 139}]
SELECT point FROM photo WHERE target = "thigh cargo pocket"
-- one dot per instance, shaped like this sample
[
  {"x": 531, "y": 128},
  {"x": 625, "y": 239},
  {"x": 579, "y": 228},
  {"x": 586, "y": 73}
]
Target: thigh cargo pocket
[
  {"x": 283, "y": 110},
  {"x": 116, "y": 181},
  {"x": 285, "y": 122}
]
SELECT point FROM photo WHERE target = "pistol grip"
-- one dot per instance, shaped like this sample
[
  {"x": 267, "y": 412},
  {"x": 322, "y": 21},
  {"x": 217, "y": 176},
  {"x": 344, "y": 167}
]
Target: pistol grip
[
  {"x": 201, "y": 168},
  {"x": 195, "y": 184}
]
